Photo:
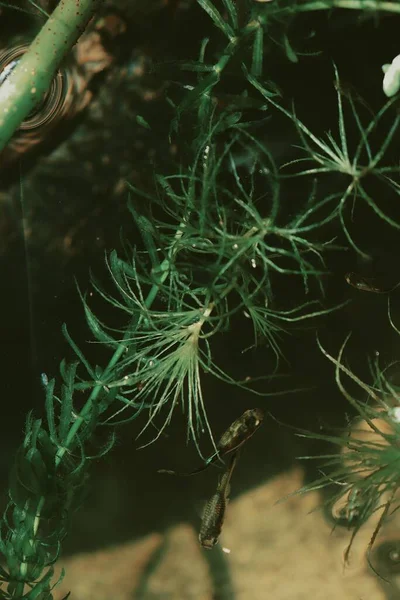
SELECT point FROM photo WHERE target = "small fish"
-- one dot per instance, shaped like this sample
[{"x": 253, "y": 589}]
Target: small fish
[
  {"x": 235, "y": 436},
  {"x": 367, "y": 285},
  {"x": 214, "y": 510}
]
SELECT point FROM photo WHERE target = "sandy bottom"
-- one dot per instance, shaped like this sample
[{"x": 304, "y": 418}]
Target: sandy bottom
[{"x": 280, "y": 551}]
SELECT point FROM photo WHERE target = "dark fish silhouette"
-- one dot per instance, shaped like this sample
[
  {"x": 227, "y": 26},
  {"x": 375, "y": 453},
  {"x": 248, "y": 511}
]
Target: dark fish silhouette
[
  {"x": 234, "y": 437},
  {"x": 367, "y": 284},
  {"x": 214, "y": 510}
]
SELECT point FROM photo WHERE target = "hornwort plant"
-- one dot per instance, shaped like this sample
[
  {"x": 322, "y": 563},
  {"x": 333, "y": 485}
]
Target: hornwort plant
[{"x": 219, "y": 235}]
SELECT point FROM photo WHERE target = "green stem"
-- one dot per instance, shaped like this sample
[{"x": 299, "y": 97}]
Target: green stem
[
  {"x": 366, "y": 5},
  {"x": 164, "y": 269},
  {"x": 25, "y": 86}
]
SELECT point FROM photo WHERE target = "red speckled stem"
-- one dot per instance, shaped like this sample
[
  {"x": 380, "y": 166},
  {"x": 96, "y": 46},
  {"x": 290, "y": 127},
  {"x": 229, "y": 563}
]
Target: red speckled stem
[{"x": 30, "y": 79}]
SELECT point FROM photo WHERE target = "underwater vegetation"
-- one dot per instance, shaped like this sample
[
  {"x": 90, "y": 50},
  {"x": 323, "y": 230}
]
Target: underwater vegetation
[
  {"x": 234, "y": 234},
  {"x": 362, "y": 474}
]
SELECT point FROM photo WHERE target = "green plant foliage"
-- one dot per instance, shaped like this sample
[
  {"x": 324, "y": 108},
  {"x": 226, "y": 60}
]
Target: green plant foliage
[
  {"x": 210, "y": 259},
  {"x": 365, "y": 467},
  {"x": 25, "y": 10},
  {"x": 47, "y": 484},
  {"x": 243, "y": 34},
  {"x": 218, "y": 237},
  {"x": 249, "y": 29},
  {"x": 332, "y": 155}
]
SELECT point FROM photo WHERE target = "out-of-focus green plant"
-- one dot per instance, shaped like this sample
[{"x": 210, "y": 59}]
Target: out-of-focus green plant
[
  {"x": 249, "y": 28},
  {"x": 362, "y": 475}
]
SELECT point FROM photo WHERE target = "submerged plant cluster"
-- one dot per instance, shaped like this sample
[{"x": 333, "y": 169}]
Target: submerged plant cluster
[
  {"x": 212, "y": 258},
  {"x": 221, "y": 236},
  {"x": 362, "y": 475}
]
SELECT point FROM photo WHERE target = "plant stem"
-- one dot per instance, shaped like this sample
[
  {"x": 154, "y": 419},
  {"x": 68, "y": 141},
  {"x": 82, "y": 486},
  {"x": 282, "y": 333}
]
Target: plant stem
[
  {"x": 164, "y": 268},
  {"x": 29, "y": 80},
  {"x": 366, "y": 5}
]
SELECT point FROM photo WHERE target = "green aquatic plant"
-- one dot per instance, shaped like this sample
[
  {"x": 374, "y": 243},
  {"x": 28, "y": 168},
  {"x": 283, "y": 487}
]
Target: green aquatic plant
[
  {"x": 250, "y": 29},
  {"x": 158, "y": 357},
  {"x": 208, "y": 260},
  {"x": 211, "y": 260},
  {"x": 218, "y": 236},
  {"x": 332, "y": 155},
  {"x": 362, "y": 474},
  {"x": 47, "y": 483}
]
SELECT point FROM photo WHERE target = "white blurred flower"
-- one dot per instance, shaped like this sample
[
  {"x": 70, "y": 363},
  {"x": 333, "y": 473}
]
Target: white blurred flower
[
  {"x": 391, "y": 80},
  {"x": 395, "y": 414}
]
